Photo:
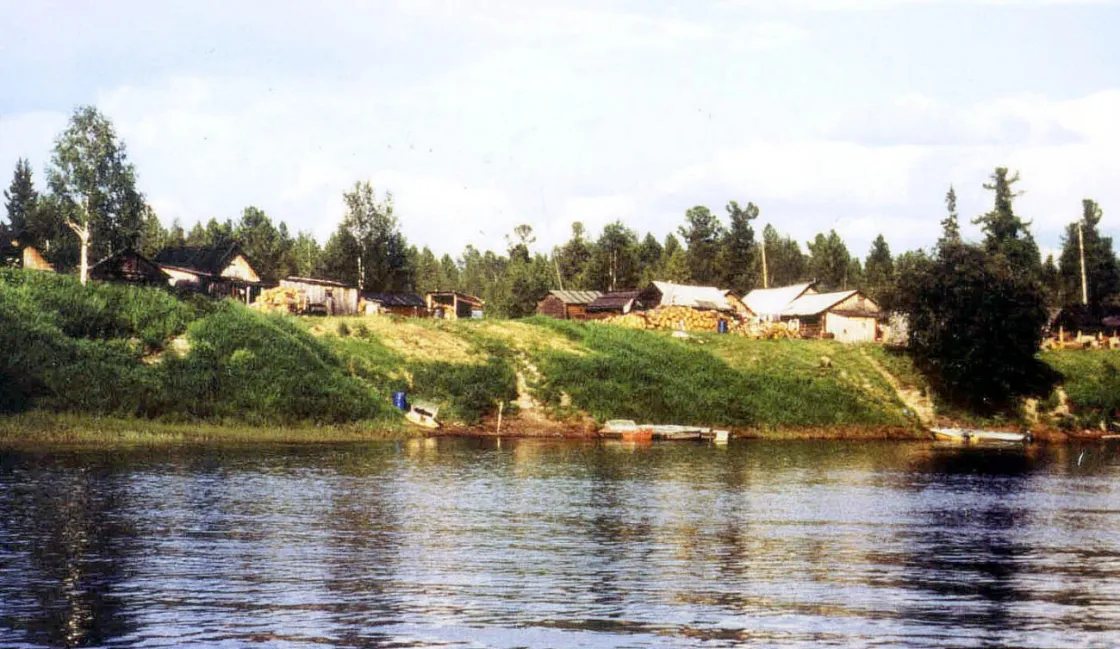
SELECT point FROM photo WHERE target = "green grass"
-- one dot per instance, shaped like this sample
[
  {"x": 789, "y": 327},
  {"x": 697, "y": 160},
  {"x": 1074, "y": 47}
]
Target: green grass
[
  {"x": 712, "y": 379},
  {"x": 1091, "y": 380}
]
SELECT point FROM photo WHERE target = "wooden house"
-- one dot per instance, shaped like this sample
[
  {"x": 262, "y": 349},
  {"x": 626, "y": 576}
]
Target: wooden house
[
  {"x": 770, "y": 303},
  {"x": 613, "y": 303},
  {"x": 333, "y": 298},
  {"x": 408, "y": 305},
  {"x": 130, "y": 267},
  {"x": 17, "y": 252},
  {"x": 847, "y": 316},
  {"x": 566, "y": 305},
  {"x": 452, "y": 305},
  {"x": 220, "y": 271}
]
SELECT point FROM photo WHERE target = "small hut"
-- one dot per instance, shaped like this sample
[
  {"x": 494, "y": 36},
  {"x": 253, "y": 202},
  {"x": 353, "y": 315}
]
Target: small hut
[
  {"x": 219, "y": 271},
  {"x": 130, "y": 267},
  {"x": 566, "y": 305},
  {"x": 452, "y": 305},
  {"x": 333, "y": 297},
  {"x": 17, "y": 252},
  {"x": 408, "y": 305},
  {"x": 614, "y": 303},
  {"x": 847, "y": 316}
]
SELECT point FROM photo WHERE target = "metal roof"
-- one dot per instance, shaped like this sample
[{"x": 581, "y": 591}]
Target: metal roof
[
  {"x": 774, "y": 301},
  {"x": 816, "y": 303},
  {"x": 611, "y": 301},
  {"x": 697, "y": 297},
  {"x": 395, "y": 299},
  {"x": 576, "y": 297},
  {"x": 315, "y": 281}
]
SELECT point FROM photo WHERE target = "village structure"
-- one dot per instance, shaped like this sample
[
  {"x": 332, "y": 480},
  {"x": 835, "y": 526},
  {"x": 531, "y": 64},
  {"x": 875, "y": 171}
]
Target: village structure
[{"x": 795, "y": 311}]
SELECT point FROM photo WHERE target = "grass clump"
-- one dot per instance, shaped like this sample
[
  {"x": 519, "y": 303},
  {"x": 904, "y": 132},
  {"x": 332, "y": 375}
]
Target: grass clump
[{"x": 1091, "y": 380}]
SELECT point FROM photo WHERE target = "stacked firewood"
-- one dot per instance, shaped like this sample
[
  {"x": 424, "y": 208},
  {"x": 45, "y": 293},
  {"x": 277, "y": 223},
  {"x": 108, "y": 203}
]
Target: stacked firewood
[
  {"x": 681, "y": 318},
  {"x": 282, "y": 299}
]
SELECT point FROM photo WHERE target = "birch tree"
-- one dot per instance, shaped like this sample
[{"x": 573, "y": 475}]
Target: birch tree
[{"x": 95, "y": 184}]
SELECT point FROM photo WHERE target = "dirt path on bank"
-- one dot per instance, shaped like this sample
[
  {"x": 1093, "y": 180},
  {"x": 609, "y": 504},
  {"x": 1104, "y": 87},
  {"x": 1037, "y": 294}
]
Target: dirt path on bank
[{"x": 920, "y": 404}]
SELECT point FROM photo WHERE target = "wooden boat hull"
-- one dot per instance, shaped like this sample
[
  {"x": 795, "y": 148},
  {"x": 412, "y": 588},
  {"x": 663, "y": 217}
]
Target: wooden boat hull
[{"x": 628, "y": 430}]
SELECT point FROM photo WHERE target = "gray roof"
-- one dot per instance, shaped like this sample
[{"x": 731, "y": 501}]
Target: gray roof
[
  {"x": 773, "y": 301},
  {"x": 697, "y": 297},
  {"x": 576, "y": 297}
]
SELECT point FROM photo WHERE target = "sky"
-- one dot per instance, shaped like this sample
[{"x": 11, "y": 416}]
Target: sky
[{"x": 853, "y": 115}]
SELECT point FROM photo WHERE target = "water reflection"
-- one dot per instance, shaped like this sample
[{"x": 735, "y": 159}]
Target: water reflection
[{"x": 533, "y": 543}]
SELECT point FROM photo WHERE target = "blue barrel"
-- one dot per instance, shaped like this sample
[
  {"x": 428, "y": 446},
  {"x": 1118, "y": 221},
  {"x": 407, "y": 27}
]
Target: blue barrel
[
  {"x": 400, "y": 401},
  {"x": 722, "y": 326}
]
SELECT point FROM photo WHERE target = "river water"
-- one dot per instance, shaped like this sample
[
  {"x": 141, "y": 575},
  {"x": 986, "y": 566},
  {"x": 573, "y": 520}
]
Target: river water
[{"x": 487, "y": 543}]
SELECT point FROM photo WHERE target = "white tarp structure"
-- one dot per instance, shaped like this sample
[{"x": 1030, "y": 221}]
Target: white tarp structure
[{"x": 696, "y": 297}]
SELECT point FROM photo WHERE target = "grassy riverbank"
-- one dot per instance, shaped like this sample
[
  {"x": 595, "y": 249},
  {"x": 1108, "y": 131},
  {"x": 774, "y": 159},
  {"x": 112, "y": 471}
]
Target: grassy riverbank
[{"x": 124, "y": 363}]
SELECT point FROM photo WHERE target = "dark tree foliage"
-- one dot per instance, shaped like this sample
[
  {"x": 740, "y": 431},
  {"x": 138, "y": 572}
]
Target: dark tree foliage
[
  {"x": 831, "y": 264},
  {"x": 572, "y": 258},
  {"x": 878, "y": 270},
  {"x": 614, "y": 259},
  {"x": 975, "y": 325},
  {"x": 1102, "y": 271},
  {"x": 738, "y": 255},
  {"x": 784, "y": 260},
  {"x": 1007, "y": 234},
  {"x": 21, "y": 199},
  {"x": 701, "y": 233},
  {"x": 951, "y": 225}
]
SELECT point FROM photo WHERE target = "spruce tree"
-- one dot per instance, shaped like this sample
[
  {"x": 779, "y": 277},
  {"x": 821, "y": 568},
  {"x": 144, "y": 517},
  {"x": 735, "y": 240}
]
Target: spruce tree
[{"x": 20, "y": 198}]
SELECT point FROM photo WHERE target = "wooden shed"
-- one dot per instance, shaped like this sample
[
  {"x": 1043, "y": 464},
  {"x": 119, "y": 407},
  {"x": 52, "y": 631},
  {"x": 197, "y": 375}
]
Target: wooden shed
[
  {"x": 334, "y": 297},
  {"x": 614, "y": 303},
  {"x": 17, "y": 252},
  {"x": 220, "y": 271},
  {"x": 847, "y": 316},
  {"x": 705, "y": 298},
  {"x": 566, "y": 305},
  {"x": 130, "y": 267},
  {"x": 408, "y": 305},
  {"x": 452, "y": 305}
]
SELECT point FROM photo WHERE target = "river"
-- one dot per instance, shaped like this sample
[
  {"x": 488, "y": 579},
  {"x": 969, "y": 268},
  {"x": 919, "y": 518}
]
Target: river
[{"x": 488, "y": 543}]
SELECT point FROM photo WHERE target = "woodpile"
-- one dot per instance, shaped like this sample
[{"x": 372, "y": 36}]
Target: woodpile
[
  {"x": 282, "y": 299},
  {"x": 681, "y": 318}
]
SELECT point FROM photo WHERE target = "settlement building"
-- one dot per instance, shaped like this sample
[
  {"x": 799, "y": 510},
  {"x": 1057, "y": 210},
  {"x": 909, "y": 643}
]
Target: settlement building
[
  {"x": 769, "y": 303},
  {"x": 847, "y": 316},
  {"x": 613, "y": 303},
  {"x": 130, "y": 267},
  {"x": 220, "y": 271},
  {"x": 17, "y": 252},
  {"x": 324, "y": 295},
  {"x": 452, "y": 305},
  {"x": 408, "y": 305},
  {"x": 566, "y": 305}
]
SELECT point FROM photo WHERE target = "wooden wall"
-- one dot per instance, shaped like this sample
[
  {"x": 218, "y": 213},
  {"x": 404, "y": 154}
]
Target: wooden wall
[{"x": 552, "y": 307}]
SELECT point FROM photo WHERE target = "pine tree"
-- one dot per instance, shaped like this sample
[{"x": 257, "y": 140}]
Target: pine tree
[
  {"x": 1007, "y": 234},
  {"x": 879, "y": 269},
  {"x": 738, "y": 252},
  {"x": 21, "y": 199},
  {"x": 701, "y": 233},
  {"x": 1102, "y": 271},
  {"x": 951, "y": 224}
]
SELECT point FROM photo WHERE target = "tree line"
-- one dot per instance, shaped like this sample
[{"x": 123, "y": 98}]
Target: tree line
[{"x": 91, "y": 186}]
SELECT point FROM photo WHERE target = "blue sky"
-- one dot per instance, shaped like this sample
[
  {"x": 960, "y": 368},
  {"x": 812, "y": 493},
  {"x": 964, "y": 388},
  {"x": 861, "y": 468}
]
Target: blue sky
[{"x": 846, "y": 114}]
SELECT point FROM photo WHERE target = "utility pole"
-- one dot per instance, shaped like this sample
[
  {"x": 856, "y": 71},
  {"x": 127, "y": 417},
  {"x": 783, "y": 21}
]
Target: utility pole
[
  {"x": 765, "y": 277},
  {"x": 1084, "y": 282}
]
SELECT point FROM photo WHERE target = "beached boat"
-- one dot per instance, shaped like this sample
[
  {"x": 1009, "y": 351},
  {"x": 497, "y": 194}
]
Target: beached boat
[
  {"x": 423, "y": 414},
  {"x": 976, "y": 435},
  {"x": 630, "y": 430}
]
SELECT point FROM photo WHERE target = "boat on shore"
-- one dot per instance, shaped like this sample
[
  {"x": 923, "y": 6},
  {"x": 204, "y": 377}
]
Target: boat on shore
[
  {"x": 967, "y": 435},
  {"x": 423, "y": 415},
  {"x": 627, "y": 429}
]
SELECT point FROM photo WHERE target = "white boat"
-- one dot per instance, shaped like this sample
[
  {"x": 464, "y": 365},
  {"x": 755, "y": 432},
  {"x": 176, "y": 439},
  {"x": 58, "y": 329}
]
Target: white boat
[
  {"x": 628, "y": 429},
  {"x": 423, "y": 414},
  {"x": 977, "y": 435}
]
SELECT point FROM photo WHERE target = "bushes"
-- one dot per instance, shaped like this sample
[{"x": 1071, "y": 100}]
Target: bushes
[{"x": 65, "y": 347}]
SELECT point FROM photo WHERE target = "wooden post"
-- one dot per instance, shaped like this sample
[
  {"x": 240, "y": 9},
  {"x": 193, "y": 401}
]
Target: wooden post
[
  {"x": 765, "y": 277},
  {"x": 501, "y": 406},
  {"x": 1084, "y": 283}
]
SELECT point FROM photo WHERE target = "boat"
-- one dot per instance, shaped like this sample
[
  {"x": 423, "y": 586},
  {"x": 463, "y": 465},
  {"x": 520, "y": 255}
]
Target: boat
[
  {"x": 423, "y": 415},
  {"x": 628, "y": 429},
  {"x": 966, "y": 435}
]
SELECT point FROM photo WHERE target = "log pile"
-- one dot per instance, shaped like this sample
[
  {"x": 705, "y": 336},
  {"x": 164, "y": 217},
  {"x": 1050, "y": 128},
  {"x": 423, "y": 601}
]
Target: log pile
[
  {"x": 282, "y": 299},
  {"x": 681, "y": 318},
  {"x": 1068, "y": 341}
]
